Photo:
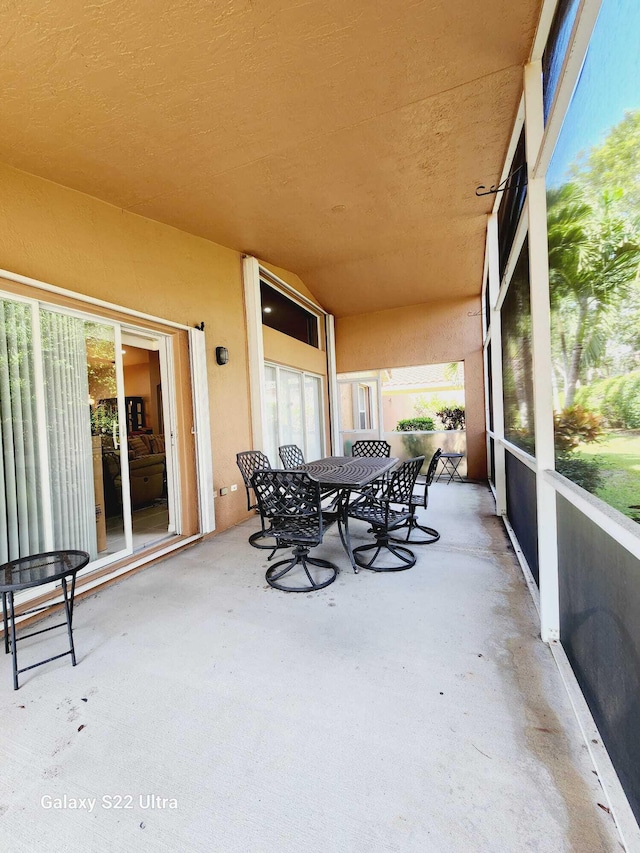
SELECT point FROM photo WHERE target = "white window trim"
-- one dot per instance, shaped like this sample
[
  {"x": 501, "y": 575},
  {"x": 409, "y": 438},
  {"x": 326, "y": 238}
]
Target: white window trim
[
  {"x": 303, "y": 373},
  {"x": 252, "y": 272}
]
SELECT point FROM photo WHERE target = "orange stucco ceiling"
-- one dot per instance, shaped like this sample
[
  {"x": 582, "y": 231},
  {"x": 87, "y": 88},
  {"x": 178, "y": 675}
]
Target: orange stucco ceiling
[{"x": 340, "y": 140}]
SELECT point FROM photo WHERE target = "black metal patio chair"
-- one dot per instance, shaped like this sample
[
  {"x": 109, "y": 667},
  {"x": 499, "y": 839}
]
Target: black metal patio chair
[
  {"x": 250, "y": 461},
  {"x": 372, "y": 448},
  {"x": 420, "y": 500},
  {"x": 379, "y": 511},
  {"x": 291, "y": 500},
  {"x": 291, "y": 455}
]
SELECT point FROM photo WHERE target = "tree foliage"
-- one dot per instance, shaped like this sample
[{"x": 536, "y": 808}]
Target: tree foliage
[{"x": 594, "y": 252}]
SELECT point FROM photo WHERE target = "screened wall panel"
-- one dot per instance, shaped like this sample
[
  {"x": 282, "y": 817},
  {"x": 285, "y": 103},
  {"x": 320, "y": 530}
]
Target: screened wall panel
[
  {"x": 554, "y": 53},
  {"x": 511, "y": 205},
  {"x": 593, "y": 226},
  {"x": 517, "y": 359},
  {"x": 492, "y": 461},
  {"x": 600, "y": 630},
  {"x": 521, "y": 508}
]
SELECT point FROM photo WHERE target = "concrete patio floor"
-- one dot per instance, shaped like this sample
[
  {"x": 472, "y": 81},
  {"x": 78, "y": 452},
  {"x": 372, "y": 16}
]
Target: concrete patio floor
[{"x": 416, "y": 711}]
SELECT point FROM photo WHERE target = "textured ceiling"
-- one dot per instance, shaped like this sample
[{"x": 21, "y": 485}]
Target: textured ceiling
[{"x": 340, "y": 140}]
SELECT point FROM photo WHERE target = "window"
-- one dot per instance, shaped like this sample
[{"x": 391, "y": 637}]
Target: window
[
  {"x": 555, "y": 51},
  {"x": 286, "y": 316},
  {"x": 593, "y": 215},
  {"x": 512, "y": 204},
  {"x": 364, "y": 407},
  {"x": 294, "y": 412},
  {"x": 517, "y": 360}
]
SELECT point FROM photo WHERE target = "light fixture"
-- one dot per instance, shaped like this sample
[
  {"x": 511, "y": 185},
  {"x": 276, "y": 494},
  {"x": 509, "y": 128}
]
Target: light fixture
[
  {"x": 222, "y": 355},
  {"x": 123, "y": 351},
  {"x": 267, "y": 310}
]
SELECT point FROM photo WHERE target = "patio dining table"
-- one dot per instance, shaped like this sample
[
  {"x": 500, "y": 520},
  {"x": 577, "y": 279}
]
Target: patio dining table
[{"x": 346, "y": 474}]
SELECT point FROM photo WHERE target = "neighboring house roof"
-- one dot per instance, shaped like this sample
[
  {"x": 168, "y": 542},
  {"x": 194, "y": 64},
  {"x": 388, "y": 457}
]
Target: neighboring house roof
[{"x": 424, "y": 376}]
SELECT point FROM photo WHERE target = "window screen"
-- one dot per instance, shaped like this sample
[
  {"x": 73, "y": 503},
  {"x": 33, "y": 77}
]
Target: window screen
[
  {"x": 517, "y": 362},
  {"x": 512, "y": 204},
  {"x": 555, "y": 51}
]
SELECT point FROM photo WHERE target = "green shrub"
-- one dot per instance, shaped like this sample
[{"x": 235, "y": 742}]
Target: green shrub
[
  {"x": 582, "y": 470},
  {"x": 415, "y": 424},
  {"x": 576, "y": 425},
  {"x": 452, "y": 417},
  {"x": 617, "y": 399}
]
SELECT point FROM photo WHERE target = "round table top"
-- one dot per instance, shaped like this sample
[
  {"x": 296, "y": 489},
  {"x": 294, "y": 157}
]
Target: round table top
[{"x": 38, "y": 569}]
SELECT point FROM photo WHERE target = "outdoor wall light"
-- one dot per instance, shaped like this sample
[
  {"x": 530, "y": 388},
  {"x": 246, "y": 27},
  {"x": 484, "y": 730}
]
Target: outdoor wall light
[{"x": 222, "y": 355}]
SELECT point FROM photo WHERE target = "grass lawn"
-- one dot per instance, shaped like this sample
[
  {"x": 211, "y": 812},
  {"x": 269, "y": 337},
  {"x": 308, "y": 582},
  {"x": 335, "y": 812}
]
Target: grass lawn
[{"x": 620, "y": 454}]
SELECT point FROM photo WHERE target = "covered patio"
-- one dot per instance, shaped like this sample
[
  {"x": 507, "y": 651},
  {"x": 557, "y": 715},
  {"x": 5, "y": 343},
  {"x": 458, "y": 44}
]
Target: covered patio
[{"x": 407, "y": 712}]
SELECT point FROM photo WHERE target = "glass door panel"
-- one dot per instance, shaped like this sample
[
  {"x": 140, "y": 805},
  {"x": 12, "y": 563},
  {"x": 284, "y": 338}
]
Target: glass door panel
[
  {"x": 290, "y": 408},
  {"x": 271, "y": 442},
  {"x": 82, "y": 422},
  {"x": 21, "y": 504},
  {"x": 313, "y": 417}
]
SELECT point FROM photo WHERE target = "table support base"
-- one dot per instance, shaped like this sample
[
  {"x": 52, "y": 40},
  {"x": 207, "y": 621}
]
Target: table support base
[
  {"x": 9, "y": 623},
  {"x": 300, "y": 558}
]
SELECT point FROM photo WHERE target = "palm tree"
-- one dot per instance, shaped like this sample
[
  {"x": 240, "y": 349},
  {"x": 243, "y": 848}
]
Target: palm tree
[{"x": 593, "y": 259}]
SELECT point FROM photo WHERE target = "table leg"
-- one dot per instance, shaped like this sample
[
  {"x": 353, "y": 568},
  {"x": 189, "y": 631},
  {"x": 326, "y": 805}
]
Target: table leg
[
  {"x": 5, "y": 623},
  {"x": 68, "y": 607},
  {"x": 14, "y": 650},
  {"x": 343, "y": 527}
]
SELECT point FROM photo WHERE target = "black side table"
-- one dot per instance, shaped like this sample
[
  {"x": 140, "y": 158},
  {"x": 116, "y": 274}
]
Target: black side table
[
  {"x": 450, "y": 463},
  {"x": 29, "y": 572}
]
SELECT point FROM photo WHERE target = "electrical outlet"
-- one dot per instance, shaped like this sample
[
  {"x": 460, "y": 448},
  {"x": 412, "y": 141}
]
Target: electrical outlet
[
  {"x": 223, "y": 491},
  {"x": 215, "y": 493},
  {"x": 234, "y": 487}
]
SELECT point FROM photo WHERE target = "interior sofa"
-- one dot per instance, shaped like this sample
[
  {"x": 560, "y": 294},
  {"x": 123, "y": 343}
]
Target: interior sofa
[{"x": 147, "y": 472}]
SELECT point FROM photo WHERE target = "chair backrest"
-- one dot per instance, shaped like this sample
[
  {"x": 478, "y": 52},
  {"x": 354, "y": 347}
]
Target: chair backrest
[
  {"x": 250, "y": 461},
  {"x": 291, "y": 455},
  {"x": 431, "y": 471},
  {"x": 372, "y": 448},
  {"x": 402, "y": 481},
  {"x": 291, "y": 500}
]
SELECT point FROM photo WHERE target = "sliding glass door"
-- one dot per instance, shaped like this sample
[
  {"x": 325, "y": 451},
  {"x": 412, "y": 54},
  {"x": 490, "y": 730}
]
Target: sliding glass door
[
  {"x": 83, "y": 460},
  {"x": 294, "y": 412}
]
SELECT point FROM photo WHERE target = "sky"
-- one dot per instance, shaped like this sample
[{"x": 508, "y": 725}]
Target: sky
[{"x": 609, "y": 85}]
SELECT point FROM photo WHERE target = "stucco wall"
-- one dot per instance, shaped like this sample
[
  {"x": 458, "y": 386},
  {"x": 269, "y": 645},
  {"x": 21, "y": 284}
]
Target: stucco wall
[
  {"x": 69, "y": 239},
  {"x": 433, "y": 333}
]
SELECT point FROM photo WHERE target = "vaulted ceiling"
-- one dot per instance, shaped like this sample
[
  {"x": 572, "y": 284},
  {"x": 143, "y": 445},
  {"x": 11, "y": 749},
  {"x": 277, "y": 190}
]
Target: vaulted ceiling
[{"x": 340, "y": 140}]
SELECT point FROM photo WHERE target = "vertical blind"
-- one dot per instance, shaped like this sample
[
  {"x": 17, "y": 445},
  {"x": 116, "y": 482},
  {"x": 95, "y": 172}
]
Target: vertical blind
[
  {"x": 21, "y": 507},
  {"x": 66, "y": 391},
  {"x": 62, "y": 384}
]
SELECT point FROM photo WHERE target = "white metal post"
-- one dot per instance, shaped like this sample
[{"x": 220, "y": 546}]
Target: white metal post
[
  {"x": 253, "y": 308},
  {"x": 496, "y": 365},
  {"x": 332, "y": 382},
  {"x": 542, "y": 364}
]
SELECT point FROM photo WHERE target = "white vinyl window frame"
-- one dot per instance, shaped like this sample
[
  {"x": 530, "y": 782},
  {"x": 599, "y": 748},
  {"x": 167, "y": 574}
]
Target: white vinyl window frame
[
  {"x": 252, "y": 273},
  {"x": 304, "y": 374},
  {"x": 365, "y": 418}
]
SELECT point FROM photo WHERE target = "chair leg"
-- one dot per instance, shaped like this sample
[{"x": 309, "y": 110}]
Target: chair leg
[
  {"x": 263, "y": 534},
  {"x": 412, "y": 524},
  {"x": 300, "y": 558},
  {"x": 255, "y": 538},
  {"x": 406, "y": 557}
]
